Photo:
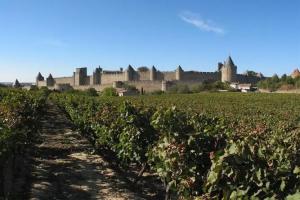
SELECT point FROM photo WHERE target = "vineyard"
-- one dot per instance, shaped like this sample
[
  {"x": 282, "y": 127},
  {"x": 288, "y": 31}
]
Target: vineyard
[
  {"x": 19, "y": 114},
  {"x": 206, "y": 146},
  {"x": 200, "y": 146}
]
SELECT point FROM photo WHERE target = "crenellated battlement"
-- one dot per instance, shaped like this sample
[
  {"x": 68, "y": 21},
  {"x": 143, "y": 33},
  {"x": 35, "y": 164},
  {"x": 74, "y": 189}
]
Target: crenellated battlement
[
  {"x": 112, "y": 72},
  {"x": 144, "y": 76}
]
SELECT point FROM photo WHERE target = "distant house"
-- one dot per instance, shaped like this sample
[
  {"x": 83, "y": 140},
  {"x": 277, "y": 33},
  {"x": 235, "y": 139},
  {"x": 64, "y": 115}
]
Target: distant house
[
  {"x": 124, "y": 92},
  {"x": 234, "y": 86},
  {"x": 245, "y": 87}
]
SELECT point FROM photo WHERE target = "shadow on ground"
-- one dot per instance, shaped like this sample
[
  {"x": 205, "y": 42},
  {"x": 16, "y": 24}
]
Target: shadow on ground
[{"x": 64, "y": 166}]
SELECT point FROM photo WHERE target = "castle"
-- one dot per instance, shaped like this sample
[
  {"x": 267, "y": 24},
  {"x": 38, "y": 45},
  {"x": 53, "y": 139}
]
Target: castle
[
  {"x": 144, "y": 78},
  {"x": 295, "y": 74}
]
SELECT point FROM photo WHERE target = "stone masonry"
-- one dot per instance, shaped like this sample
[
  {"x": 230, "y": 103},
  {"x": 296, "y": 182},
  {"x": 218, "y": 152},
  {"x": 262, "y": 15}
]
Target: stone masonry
[{"x": 145, "y": 78}]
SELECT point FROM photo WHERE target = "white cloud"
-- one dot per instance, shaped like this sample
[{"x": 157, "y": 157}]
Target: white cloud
[{"x": 197, "y": 21}]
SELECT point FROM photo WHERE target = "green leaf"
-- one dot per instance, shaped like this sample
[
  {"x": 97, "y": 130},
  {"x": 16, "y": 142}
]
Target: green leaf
[
  {"x": 232, "y": 149},
  {"x": 295, "y": 196},
  {"x": 296, "y": 170},
  {"x": 282, "y": 185}
]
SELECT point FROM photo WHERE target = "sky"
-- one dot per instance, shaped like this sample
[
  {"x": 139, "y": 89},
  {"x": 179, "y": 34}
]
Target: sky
[{"x": 56, "y": 36}]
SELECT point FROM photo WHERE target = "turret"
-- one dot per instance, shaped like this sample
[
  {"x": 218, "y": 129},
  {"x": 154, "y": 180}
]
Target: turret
[
  {"x": 228, "y": 71},
  {"x": 80, "y": 76},
  {"x": 99, "y": 69},
  {"x": 179, "y": 73},
  {"x": 17, "y": 84},
  {"x": 296, "y": 73},
  {"x": 153, "y": 73},
  {"x": 96, "y": 78},
  {"x": 220, "y": 65},
  {"x": 39, "y": 78},
  {"x": 129, "y": 73},
  {"x": 50, "y": 81}
]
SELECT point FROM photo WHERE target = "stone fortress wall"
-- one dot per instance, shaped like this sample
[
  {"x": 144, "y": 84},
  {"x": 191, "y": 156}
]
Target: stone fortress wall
[{"x": 145, "y": 78}]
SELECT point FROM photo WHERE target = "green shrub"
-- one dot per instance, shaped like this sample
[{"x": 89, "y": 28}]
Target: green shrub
[
  {"x": 92, "y": 92},
  {"x": 109, "y": 92}
]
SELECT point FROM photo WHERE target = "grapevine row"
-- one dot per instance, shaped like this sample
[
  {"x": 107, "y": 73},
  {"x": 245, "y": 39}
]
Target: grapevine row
[
  {"x": 195, "y": 155},
  {"x": 19, "y": 114}
]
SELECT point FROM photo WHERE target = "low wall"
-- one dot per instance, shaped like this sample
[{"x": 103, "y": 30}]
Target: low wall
[
  {"x": 145, "y": 75},
  {"x": 96, "y": 87},
  {"x": 64, "y": 80},
  {"x": 248, "y": 79},
  {"x": 41, "y": 84},
  {"x": 169, "y": 76},
  {"x": 201, "y": 76},
  {"x": 148, "y": 86},
  {"x": 112, "y": 77}
]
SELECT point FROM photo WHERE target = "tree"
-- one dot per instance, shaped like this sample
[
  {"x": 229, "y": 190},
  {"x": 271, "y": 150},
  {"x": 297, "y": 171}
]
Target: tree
[
  {"x": 197, "y": 88},
  {"x": 92, "y": 92},
  {"x": 130, "y": 87},
  {"x": 289, "y": 80},
  {"x": 219, "y": 85},
  {"x": 251, "y": 73},
  {"x": 183, "y": 89},
  {"x": 34, "y": 88},
  {"x": 179, "y": 88},
  {"x": 297, "y": 82},
  {"x": 109, "y": 92},
  {"x": 283, "y": 77},
  {"x": 2, "y": 85},
  {"x": 275, "y": 78}
]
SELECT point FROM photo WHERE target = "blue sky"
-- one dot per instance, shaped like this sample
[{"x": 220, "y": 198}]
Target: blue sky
[{"x": 56, "y": 36}]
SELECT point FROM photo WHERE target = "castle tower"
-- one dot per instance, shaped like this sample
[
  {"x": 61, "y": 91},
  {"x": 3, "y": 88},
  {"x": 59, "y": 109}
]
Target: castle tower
[
  {"x": 17, "y": 84},
  {"x": 80, "y": 76},
  {"x": 164, "y": 86},
  {"x": 220, "y": 65},
  {"x": 153, "y": 73},
  {"x": 179, "y": 73},
  {"x": 39, "y": 78},
  {"x": 96, "y": 78},
  {"x": 129, "y": 73},
  {"x": 296, "y": 73},
  {"x": 228, "y": 71},
  {"x": 50, "y": 81}
]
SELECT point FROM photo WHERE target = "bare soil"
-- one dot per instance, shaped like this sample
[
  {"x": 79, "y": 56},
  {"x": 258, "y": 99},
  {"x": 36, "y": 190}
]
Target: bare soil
[{"x": 64, "y": 166}]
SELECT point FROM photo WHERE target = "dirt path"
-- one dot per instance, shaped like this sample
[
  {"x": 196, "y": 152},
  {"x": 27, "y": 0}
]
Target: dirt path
[{"x": 65, "y": 168}]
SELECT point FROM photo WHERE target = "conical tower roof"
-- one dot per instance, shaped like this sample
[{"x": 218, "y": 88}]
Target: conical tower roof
[
  {"x": 179, "y": 68},
  {"x": 296, "y": 73},
  {"x": 98, "y": 69},
  {"x": 153, "y": 68},
  {"x": 229, "y": 62},
  {"x": 17, "y": 84},
  {"x": 39, "y": 76},
  {"x": 50, "y": 76},
  {"x": 130, "y": 68}
]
